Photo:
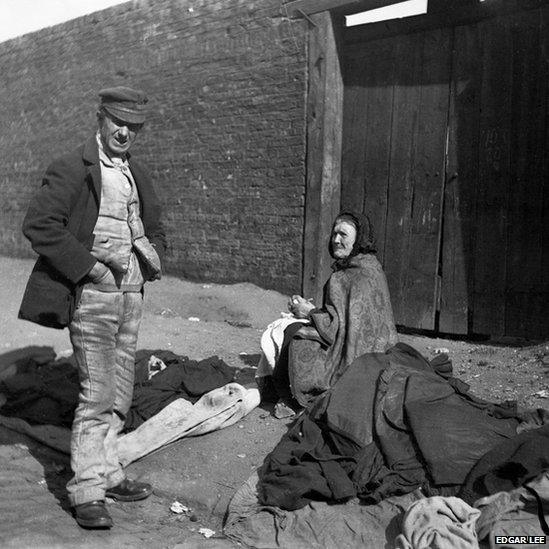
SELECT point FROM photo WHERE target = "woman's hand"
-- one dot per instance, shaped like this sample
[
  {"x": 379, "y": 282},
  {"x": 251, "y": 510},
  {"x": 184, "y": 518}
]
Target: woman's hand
[{"x": 300, "y": 307}]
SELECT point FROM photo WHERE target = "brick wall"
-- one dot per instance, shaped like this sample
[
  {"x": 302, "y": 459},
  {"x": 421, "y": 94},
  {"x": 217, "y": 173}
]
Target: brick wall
[{"x": 225, "y": 141}]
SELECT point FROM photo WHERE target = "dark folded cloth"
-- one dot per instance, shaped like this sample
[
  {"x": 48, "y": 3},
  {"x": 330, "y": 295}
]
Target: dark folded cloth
[
  {"x": 389, "y": 425},
  {"x": 42, "y": 393},
  {"x": 508, "y": 465},
  {"x": 182, "y": 378},
  {"x": 48, "y": 393}
]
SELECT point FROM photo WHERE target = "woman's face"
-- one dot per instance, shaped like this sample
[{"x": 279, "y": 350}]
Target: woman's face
[{"x": 343, "y": 239}]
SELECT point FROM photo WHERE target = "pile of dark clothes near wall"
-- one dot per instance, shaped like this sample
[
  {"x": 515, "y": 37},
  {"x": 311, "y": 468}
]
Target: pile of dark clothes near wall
[
  {"x": 395, "y": 422},
  {"x": 48, "y": 393}
]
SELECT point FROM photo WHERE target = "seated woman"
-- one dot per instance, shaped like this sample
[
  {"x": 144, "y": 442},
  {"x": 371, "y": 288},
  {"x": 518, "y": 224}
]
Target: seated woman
[{"x": 355, "y": 318}]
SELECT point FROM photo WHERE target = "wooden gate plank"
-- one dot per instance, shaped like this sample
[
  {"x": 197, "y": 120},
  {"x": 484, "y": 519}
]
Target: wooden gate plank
[
  {"x": 428, "y": 181},
  {"x": 461, "y": 183},
  {"x": 545, "y": 179},
  {"x": 355, "y": 126},
  {"x": 404, "y": 131},
  {"x": 524, "y": 282},
  {"x": 378, "y": 140},
  {"x": 494, "y": 165},
  {"x": 367, "y": 134}
]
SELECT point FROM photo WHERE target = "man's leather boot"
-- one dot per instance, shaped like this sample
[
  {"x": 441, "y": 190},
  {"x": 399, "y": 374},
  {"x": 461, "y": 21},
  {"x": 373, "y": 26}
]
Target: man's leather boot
[
  {"x": 129, "y": 490},
  {"x": 93, "y": 514}
]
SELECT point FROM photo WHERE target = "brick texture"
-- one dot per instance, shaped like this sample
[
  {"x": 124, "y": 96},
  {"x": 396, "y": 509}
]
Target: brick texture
[{"x": 225, "y": 141}]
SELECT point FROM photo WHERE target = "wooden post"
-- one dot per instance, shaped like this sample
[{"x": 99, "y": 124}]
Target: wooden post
[
  {"x": 309, "y": 7},
  {"x": 324, "y": 131},
  {"x": 442, "y": 6}
]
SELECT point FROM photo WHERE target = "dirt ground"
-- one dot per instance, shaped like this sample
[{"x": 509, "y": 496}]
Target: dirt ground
[{"x": 199, "y": 320}]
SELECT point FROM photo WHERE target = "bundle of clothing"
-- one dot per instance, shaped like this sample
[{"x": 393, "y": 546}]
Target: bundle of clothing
[
  {"x": 393, "y": 423},
  {"x": 398, "y": 453},
  {"x": 47, "y": 393}
]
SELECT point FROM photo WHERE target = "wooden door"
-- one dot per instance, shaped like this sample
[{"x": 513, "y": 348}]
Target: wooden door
[
  {"x": 394, "y": 141},
  {"x": 446, "y": 147},
  {"x": 494, "y": 276}
]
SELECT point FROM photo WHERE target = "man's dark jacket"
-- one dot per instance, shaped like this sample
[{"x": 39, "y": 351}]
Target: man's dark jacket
[{"x": 60, "y": 223}]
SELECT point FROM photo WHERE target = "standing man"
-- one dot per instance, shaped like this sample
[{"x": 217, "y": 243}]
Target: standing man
[{"x": 95, "y": 224}]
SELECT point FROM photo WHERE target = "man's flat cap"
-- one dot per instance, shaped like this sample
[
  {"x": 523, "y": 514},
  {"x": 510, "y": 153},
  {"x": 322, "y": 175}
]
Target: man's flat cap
[{"x": 125, "y": 103}]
